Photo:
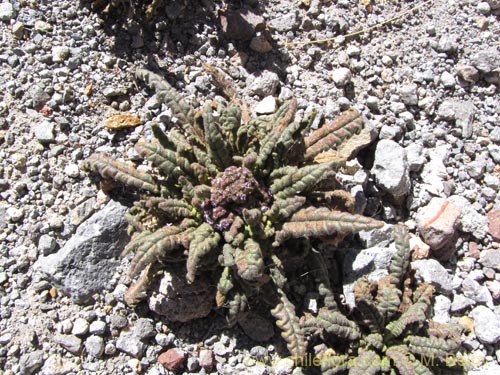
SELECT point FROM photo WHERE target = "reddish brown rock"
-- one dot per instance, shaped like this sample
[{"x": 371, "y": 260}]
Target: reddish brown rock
[
  {"x": 473, "y": 251},
  {"x": 172, "y": 359},
  {"x": 494, "y": 224},
  {"x": 206, "y": 359},
  {"x": 437, "y": 223},
  {"x": 241, "y": 24}
]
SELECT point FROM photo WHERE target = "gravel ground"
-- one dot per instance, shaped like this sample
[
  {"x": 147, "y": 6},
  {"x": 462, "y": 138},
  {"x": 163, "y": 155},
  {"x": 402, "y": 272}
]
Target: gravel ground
[{"x": 428, "y": 81}]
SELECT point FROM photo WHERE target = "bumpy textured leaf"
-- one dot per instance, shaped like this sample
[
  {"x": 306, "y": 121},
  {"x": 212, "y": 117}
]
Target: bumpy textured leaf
[
  {"x": 138, "y": 290},
  {"x": 315, "y": 222},
  {"x": 167, "y": 94},
  {"x": 334, "y": 364},
  {"x": 388, "y": 301},
  {"x": 366, "y": 363},
  {"x": 224, "y": 285},
  {"x": 175, "y": 209},
  {"x": 218, "y": 149},
  {"x": 335, "y": 323},
  {"x": 402, "y": 360},
  {"x": 322, "y": 278},
  {"x": 202, "y": 240},
  {"x": 167, "y": 161},
  {"x": 291, "y": 331},
  {"x": 376, "y": 340},
  {"x": 150, "y": 247},
  {"x": 331, "y": 135},
  {"x": 401, "y": 258},
  {"x": 303, "y": 179},
  {"x": 237, "y": 305},
  {"x": 281, "y": 121},
  {"x": 249, "y": 261},
  {"x": 416, "y": 312},
  {"x": 121, "y": 172},
  {"x": 431, "y": 346},
  {"x": 283, "y": 208}
]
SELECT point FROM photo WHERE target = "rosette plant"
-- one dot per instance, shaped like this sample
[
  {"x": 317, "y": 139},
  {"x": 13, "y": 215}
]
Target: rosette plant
[{"x": 238, "y": 198}]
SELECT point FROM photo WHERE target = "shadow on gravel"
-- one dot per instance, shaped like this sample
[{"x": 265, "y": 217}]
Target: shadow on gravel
[{"x": 180, "y": 29}]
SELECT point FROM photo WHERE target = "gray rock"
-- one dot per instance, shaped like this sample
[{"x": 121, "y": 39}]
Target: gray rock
[
  {"x": 263, "y": 83},
  {"x": 144, "y": 329},
  {"x": 192, "y": 364},
  {"x": 490, "y": 258},
  {"x": 442, "y": 305},
  {"x": 408, "y": 94},
  {"x": 390, "y": 169},
  {"x": 489, "y": 368},
  {"x": 462, "y": 112},
  {"x": 471, "y": 221},
  {"x": 97, "y": 327},
  {"x": 46, "y": 244},
  {"x": 57, "y": 365},
  {"x": 447, "y": 79},
  {"x": 71, "y": 343},
  {"x": 164, "y": 340},
  {"x": 266, "y": 106},
  {"x": 341, "y": 77},
  {"x": 60, "y": 53},
  {"x": 30, "y": 363},
  {"x": 80, "y": 327},
  {"x": 14, "y": 214},
  {"x": 285, "y": 23},
  {"x": 372, "y": 262},
  {"x": 377, "y": 237},
  {"x": 130, "y": 344},
  {"x": 241, "y": 24},
  {"x": 415, "y": 156},
  {"x": 476, "y": 168},
  {"x": 94, "y": 346},
  {"x": 494, "y": 151},
  {"x": 84, "y": 265},
  {"x": 486, "y": 61},
  {"x": 467, "y": 73},
  {"x": 475, "y": 291},
  {"x": 180, "y": 301},
  {"x": 44, "y": 132},
  {"x": 432, "y": 272},
  {"x": 447, "y": 44},
  {"x": 7, "y": 12},
  {"x": 460, "y": 303},
  {"x": 486, "y": 325}
]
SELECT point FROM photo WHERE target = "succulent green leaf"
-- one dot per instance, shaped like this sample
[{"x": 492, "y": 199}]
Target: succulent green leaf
[
  {"x": 167, "y": 161},
  {"x": 249, "y": 261},
  {"x": 202, "y": 240},
  {"x": 304, "y": 178},
  {"x": 335, "y": 323},
  {"x": 151, "y": 247},
  {"x": 401, "y": 258},
  {"x": 291, "y": 331},
  {"x": 121, "y": 172},
  {"x": 334, "y": 364},
  {"x": 431, "y": 346},
  {"x": 167, "y": 94},
  {"x": 402, "y": 359},
  {"x": 366, "y": 363},
  {"x": 415, "y": 313},
  {"x": 218, "y": 149},
  {"x": 316, "y": 222},
  {"x": 331, "y": 135},
  {"x": 224, "y": 285}
]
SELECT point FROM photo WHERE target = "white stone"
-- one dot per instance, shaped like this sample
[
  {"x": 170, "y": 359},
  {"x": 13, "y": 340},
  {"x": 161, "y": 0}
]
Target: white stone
[{"x": 266, "y": 106}]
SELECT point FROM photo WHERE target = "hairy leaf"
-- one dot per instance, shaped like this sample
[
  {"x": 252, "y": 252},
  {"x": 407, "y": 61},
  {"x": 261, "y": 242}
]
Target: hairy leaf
[{"x": 202, "y": 240}]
